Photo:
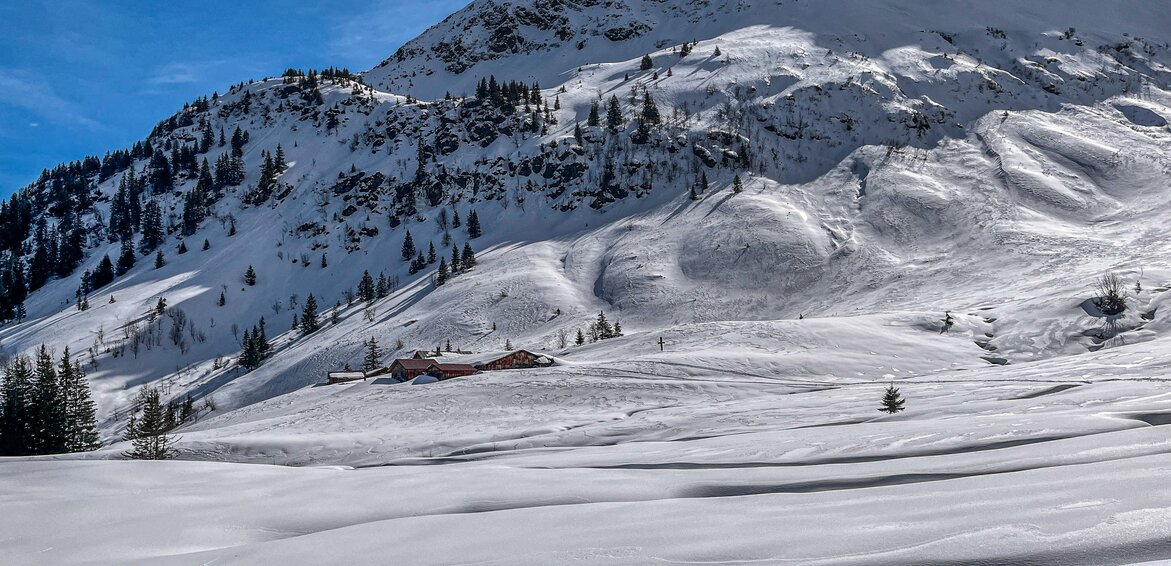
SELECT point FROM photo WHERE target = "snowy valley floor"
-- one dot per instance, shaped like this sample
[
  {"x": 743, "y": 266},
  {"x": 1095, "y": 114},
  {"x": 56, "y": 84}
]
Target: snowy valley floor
[{"x": 720, "y": 456}]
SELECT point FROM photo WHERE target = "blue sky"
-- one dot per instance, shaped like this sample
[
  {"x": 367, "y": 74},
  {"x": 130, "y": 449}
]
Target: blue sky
[{"x": 81, "y": 77}]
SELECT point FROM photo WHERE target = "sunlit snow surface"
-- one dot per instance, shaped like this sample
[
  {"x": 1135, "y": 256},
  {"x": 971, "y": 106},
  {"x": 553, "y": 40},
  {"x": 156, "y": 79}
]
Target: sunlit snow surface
[{"x": 754, "y": 436}]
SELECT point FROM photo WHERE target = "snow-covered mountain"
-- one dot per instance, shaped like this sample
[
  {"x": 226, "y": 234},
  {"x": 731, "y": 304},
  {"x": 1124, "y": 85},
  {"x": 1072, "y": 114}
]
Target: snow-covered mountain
[
  {"x": 790, "y": 194},
  {"x": 978, "y": 156}
]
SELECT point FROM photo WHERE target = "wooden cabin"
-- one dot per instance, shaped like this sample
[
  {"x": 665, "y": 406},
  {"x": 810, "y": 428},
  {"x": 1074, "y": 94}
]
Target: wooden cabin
[
  {"x": 516, "y": 359},
  {"x": 405, "y": 369},
  {"x": 448, "y": 371}
]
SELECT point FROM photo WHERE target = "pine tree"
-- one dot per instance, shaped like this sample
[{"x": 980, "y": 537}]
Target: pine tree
[
  {"x": 474, "y": 230},
  {"x": 691, "y": 194},
  {"x": 309, "y": 322},
  {"x": 441, "y": 273},
  {"x": 614, "y": 115},
  {"x": 580, "y": 338},
  {"x": 104, "y": 273},
  {"x": 455, "y": 222},
  {"x": 49, "y": 406},
  {"x": 250, "y": 276},
  {"x": 373, "y": 358},
  {"x": 892, "y": 402},
  {"x": 152, "y": 227},
  {"x": 594, "y": 120},
  {"x": 456, "y": 261},
  {"x": 650, "y": 111},
  {"x": 160, "y": 261},
  {"x": 81, "y": 434},
  {"x": 366, "y": 290},
  {"x": 222, "y": 300},
  {"x": 182, "y": 248},
  {"x": 382, "y": 288},
  {"x": 468, "y": 260},
  {"x": 431, "y": 252},
  {"x": 508, "y": 344},
  {"x": 127, "y": 258},
  {"x": 206, "y": 245},
  {"x": 324, "y": 263},
  {"x": 605, "y": 330},
  {"x": 150, "y": 437},
  {"x": 646, "y": 63},
  {"x": 17, "y": 418},
  {"x": 408, "y": 247},
  {"x": 737, "y": 186}
]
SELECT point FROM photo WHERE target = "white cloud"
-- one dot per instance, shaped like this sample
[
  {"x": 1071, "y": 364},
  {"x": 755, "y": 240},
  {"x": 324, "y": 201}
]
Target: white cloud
[
  {"x": 23, "y": 90},
  {"x": 176, "y": 73}
]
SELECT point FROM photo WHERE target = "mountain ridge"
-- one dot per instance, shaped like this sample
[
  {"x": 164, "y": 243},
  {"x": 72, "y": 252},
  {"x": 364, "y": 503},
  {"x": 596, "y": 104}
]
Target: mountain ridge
[{"x": 958, "y": 158}]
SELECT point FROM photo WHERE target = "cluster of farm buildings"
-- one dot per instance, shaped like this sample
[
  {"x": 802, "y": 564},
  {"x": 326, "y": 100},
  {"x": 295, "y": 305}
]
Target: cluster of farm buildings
[{"x": 421, "y": 368}]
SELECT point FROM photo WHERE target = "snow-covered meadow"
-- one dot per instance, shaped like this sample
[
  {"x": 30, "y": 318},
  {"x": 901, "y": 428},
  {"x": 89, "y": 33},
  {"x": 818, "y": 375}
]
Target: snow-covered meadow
[{"x": 1035, "y": 430}]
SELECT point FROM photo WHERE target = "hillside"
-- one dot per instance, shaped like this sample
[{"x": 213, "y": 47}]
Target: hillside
[{"x": 790, "y": 194}]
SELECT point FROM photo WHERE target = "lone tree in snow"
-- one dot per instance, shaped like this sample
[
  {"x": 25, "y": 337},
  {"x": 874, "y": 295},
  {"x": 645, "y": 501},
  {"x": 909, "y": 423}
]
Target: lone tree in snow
[
  {"x": 373, "y": 355},
  {"x": 1111, "y": 299},
  {"x": 892, "y": 402},
  {"x": 250, "y": 276},
  {"x": 148, "y": 434}
]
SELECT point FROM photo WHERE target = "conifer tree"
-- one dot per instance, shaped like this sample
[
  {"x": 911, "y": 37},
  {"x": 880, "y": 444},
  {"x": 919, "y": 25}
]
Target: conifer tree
[
  {"x": 431, "y": 252},
  {"x": 594, "y": 120},
  {"x": 206, "y": 245},
  {"x": 646, "y": 63},
  {"x": 324, "y": 263},
  {"x": 49, "y": 407},
  {"x": 81, "y": 433},
  {"x": 309, "y": 322},
  {"x": 126, "y": 258},
  {"x": 614, "y": 115},
  {"x": 160, "y": 261},
  {"x": 455, "y": 222},
  {"x": 250, "y": 276},
  {"x": 150, "y": 438},
  {"x": 455, "y": 258},
  {"x": 382, "y": 289},
  {"x": 737, "y": 185},
  {"x": 182, "y": 248},
  {"x": 580, "y": 338},
  {"x": 17, "y": 418},
  {"x": 468, "y": 260},
  {"x": 152, "y": 227},
  {"x": 650, "y": 111},
  {"x": 366, "y": 290},
  {"x": 892, "y": 401},
  {"x": 441, "y": 273},
  {"x": 104, "y": 273},
  {"x": 474, "y": 230},
  {"x": 222, "y": 300},
  {"x": 373, "y": 358},
  {"x": 408, "y": 247},
  {"x": 691, "y": 193}
]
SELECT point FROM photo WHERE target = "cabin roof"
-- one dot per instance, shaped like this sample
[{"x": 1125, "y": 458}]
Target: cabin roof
[{"x": 412, "y": 363}]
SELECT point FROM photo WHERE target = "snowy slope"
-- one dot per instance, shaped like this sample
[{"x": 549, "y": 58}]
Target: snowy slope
[{"x": 984, "y": 158}]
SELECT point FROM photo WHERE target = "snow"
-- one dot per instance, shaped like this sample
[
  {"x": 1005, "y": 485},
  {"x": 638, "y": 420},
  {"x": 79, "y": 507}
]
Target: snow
[{"x": 1033, "y": 432}]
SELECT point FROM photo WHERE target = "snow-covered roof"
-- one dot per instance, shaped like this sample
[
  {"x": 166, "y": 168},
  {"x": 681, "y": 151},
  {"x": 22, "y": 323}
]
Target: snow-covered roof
[{"x": 424, "y": 379}]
